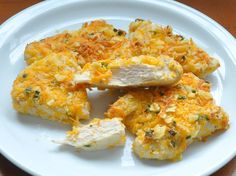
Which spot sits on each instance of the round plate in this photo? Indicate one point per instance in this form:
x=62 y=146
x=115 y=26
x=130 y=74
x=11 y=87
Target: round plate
x=26 y=141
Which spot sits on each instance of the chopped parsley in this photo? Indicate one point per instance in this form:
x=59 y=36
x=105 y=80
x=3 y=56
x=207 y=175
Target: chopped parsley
x=24 y=75
x=65 y=40
x=183 y=58
x=36 y=95
x=120 y=32
x=28 y=90
x=181 y=97
x=148 y=108
x=181 y=37
x=154 y=32
x=173 y=144
x=138 y=19
x=188 y=137
x=169 y=33
x=68 y=113
x=152 y=109
x=172 y=132
x=149 y=133
x=55 y=82
x=194 y=91
x=104 y=64
x=203 y=117
x=162 y=93
x=87 y=145
x=174 y=123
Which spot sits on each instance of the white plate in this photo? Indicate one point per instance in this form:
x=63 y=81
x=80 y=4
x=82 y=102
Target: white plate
x=26 y=140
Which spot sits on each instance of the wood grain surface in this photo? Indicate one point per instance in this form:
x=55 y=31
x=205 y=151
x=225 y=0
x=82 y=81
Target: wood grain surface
x=222 y=11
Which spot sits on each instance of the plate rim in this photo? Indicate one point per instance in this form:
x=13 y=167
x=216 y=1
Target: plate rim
x=39 y=6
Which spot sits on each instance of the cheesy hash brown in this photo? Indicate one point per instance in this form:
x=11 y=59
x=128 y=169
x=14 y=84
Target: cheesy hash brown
x=94 y=41
x=44 y=89
x=167 y=119
x=148 y=38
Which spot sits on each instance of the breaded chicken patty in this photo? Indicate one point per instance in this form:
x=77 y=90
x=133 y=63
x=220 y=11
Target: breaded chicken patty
x=94 y=41
x=167 y=119
x=148 y=38
x=45 y=89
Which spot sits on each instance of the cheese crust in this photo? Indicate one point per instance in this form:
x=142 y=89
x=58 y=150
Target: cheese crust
x=99 y=40
x=148 y=38
x=45 y=89
x=167 y=119
x=94 y=41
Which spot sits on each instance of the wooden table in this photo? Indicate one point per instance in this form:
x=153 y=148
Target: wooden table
x=221 y=11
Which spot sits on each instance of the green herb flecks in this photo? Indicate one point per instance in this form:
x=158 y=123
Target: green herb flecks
x=181 y=97
x=65 y=40
x=173 y=144
x=138 y=19
x=162 y=93
x=153 y=108
x=188 y=137
x=148 y=108
x=120 y=32
x=172 y=132
x=87 y=145
x=28 y=90
x=174 y=123
x=24 y=75
x=68 y=113
x=203 y=117
x=104 y=64
x=149 y=133
x=183 y=58
x=36 y=95
x=154 y=32
x=181 y=37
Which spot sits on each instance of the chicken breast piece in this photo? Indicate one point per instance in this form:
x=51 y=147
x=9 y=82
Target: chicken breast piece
x=45 y=89
x=149 y=38
x=167 y=119
x=133 y=72
x=97 y=135
x=97 y=40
